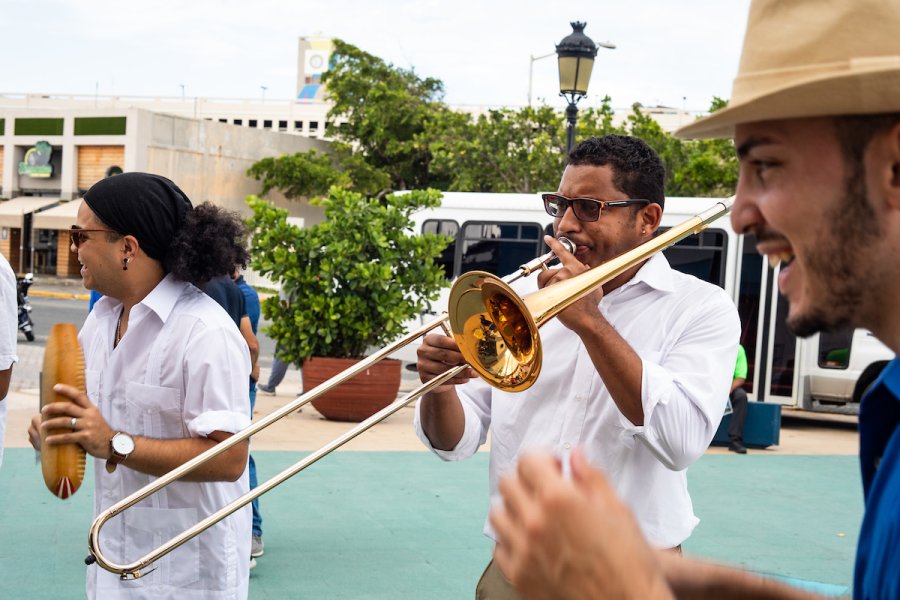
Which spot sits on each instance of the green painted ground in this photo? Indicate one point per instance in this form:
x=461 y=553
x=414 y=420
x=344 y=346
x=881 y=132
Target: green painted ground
x=397 y=525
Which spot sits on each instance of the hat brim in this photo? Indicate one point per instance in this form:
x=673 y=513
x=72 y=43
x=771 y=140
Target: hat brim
x=872 y=92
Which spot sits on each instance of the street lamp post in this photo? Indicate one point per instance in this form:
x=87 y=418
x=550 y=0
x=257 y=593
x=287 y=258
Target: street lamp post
x=576 y=53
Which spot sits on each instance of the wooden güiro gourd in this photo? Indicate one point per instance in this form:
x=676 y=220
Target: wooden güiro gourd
x=62 y=465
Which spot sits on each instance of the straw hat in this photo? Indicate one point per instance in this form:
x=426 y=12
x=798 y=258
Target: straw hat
x=809 y=58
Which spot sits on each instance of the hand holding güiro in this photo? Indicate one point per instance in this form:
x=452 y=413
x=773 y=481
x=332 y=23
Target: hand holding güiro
x=62 y=464
x=69 y=424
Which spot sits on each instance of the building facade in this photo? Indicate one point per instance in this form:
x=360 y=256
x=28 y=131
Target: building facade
x=49 y=158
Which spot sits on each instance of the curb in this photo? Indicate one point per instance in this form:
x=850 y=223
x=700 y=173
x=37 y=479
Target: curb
x=59 y=295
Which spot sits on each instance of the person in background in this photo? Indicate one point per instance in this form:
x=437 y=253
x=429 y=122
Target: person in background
x=257 y=548
x=279 y=368
x=9 y=336
x=276 y=375
x=225 y=291
x=738 y=399
x=815 y=117
x=93 y=300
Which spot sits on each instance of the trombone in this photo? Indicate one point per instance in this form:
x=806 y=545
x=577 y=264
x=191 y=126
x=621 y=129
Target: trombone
x=497 y=333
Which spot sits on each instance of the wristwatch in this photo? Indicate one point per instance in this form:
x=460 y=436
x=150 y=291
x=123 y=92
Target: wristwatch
x=120 y=446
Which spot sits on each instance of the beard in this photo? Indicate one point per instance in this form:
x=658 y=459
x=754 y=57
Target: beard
x=838 y=259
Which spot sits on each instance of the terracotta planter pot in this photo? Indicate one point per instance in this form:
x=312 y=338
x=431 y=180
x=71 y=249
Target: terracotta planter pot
x=358 y=398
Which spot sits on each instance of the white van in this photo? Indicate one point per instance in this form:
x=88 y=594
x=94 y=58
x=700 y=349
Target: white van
x=826 y=372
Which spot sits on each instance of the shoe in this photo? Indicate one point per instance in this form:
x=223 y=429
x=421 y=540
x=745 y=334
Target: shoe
x=261 y=387
x=257 y=548
x=252 y=563
x=736 y=446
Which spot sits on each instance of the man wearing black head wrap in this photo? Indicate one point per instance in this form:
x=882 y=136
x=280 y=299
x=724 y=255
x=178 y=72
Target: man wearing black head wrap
x=167 y=378
x=154 y=211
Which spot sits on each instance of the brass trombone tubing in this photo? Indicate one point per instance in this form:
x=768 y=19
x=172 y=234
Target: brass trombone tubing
x=556 y=298
x=134 y=569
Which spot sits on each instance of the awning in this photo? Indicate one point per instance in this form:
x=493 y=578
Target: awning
x=12 y=212
x=58 y=217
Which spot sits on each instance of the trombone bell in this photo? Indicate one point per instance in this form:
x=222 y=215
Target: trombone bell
x=495 y=331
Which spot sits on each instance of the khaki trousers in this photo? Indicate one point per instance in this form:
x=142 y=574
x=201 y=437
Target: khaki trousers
x=493 y=585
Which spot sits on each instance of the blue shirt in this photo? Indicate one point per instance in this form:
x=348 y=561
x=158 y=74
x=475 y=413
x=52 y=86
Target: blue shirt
x=877 y=571
x=251 y=299
x=251 y=303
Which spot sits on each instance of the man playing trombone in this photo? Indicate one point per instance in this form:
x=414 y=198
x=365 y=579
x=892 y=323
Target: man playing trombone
x=815 y=117
x=166 y=374
x=636 y=373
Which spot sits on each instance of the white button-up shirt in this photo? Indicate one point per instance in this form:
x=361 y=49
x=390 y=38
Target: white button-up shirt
x=180 y=371
x=9 y=331
x=686 y=332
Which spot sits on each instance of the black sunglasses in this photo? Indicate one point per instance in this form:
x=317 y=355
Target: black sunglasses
x=585 y=209
x=77 y=237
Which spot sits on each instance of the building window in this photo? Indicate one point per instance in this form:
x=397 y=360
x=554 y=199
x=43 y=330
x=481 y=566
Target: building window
x=238 y=121
x=251 y=123
x=223 y=120
x=298 y=125
x=267 y=124
x=38 y=126
x=313 y=125
x=282 y=125
x=100 y=125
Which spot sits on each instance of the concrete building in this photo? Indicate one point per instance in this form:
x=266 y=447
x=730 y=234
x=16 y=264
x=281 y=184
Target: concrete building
x=49 y=158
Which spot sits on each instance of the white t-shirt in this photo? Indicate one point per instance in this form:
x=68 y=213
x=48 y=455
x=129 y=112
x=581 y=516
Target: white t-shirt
x=9 y=331
x=686 y=332
x=181 y=370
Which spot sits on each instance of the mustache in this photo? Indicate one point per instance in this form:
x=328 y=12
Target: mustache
x=764 y=234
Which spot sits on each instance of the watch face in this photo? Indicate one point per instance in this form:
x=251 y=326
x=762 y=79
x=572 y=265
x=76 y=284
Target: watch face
x=123 y=443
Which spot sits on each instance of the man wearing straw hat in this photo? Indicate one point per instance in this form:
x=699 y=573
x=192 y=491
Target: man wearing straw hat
x=815 y=115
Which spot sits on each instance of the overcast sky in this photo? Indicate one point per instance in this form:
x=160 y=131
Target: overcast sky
x=669 y=53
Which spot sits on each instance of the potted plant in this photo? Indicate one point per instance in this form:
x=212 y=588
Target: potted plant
x=349 y=284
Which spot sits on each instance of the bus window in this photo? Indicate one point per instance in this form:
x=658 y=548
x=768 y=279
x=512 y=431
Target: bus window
x=498 y=248
x=701 y=255
x=784 y=349
x=834 y=349
x=444 y=227
x=748 y=303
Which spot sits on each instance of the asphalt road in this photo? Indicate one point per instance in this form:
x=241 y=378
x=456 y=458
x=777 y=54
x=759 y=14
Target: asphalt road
x=47 y=311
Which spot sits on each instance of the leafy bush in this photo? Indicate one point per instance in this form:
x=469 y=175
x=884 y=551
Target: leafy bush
x=351 y=282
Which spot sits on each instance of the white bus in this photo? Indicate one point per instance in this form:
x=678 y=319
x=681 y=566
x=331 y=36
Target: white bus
x=827 y=372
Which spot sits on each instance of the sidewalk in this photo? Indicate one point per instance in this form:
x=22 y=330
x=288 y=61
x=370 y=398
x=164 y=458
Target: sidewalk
x=58 y=287
x=383 y=518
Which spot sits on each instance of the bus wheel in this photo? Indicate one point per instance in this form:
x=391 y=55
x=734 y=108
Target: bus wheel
x=868 y=377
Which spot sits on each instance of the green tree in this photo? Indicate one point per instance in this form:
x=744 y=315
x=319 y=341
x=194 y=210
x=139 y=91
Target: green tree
x=711 y=166
x=504 y=150
x=384 y=113
x=512 y=150
x=350 y=282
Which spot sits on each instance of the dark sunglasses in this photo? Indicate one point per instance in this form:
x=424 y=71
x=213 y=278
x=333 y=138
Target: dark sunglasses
x=585 y=209
x=77 y=237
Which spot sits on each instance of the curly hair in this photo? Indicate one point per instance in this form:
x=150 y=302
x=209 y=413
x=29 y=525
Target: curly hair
x=211 y=242
x=637 y=169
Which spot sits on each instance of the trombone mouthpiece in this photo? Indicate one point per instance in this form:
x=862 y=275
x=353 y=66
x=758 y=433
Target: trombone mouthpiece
x=570 y=247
